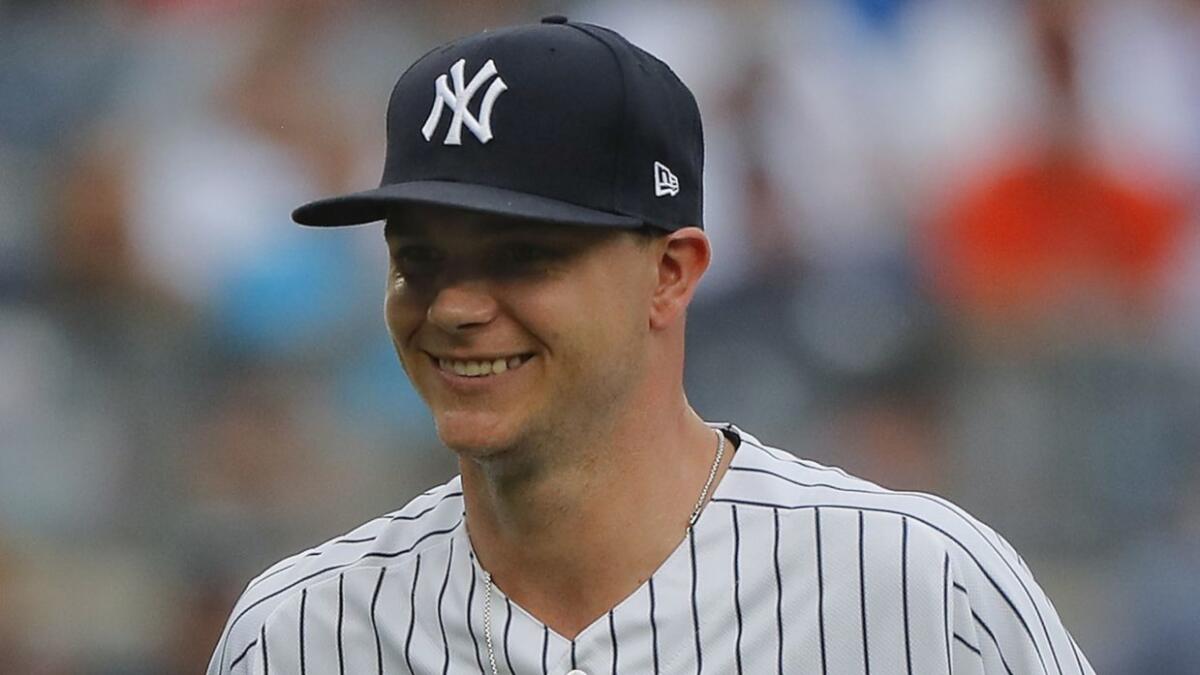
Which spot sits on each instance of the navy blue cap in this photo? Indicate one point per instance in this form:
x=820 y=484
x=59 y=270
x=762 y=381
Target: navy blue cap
x=555 y=121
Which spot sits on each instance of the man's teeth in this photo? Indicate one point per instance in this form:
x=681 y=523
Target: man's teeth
x=480 y=368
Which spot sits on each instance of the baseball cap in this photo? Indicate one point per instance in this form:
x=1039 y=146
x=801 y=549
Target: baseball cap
x=555 y=121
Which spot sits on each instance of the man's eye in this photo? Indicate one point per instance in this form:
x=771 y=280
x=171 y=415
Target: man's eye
x=519 y=259
x=526 y=253
x=417 y=260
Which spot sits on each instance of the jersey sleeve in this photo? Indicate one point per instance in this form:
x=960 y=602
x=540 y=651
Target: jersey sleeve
x=233 y=653
x=998 y=620
x=220 y=663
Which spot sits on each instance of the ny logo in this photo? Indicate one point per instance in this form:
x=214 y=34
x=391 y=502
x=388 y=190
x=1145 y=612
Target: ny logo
x=459 y=99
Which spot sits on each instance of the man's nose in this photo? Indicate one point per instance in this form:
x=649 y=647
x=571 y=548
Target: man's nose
x=462 y=305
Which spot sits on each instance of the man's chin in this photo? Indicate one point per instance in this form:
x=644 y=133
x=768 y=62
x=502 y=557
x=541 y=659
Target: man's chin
x=473 y=435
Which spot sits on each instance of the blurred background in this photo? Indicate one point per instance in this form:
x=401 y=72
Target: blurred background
x=957 y=250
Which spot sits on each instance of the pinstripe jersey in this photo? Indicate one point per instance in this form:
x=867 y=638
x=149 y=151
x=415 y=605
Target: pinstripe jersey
x=793 y=567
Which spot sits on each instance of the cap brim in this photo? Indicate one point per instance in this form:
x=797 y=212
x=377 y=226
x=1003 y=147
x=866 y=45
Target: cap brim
x=372 y=205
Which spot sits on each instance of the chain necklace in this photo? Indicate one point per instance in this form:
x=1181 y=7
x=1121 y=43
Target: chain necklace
x=487 y=576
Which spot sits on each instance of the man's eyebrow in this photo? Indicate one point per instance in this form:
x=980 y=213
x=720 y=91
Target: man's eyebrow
x=393 y=230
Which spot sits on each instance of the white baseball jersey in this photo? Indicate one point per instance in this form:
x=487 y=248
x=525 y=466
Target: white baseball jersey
x=793 y=567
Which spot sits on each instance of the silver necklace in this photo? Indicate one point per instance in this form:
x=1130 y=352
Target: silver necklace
x=712 y=475
x=487 y=576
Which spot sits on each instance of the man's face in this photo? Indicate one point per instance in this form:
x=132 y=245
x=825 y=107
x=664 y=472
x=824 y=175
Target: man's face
x=517 y=331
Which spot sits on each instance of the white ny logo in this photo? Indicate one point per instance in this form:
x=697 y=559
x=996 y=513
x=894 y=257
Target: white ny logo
x=458 y=100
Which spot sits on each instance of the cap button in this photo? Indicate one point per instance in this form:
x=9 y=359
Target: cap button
x=554 y=18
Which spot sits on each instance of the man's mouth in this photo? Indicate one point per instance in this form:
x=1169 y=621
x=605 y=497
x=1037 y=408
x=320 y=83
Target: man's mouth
x=482 y=367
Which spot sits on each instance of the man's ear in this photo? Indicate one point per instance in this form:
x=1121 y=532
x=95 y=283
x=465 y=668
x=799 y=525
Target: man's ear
x=682 y=258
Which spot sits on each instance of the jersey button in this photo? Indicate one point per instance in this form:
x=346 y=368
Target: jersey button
x=576 y=672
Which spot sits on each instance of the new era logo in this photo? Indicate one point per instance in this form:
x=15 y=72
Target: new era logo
x=459 y=98
x=665 y=182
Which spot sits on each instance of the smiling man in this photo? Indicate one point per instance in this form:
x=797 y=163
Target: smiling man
x=518 y=333
x=542 y=199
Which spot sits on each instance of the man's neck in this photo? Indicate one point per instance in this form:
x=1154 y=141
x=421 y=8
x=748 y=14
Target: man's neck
x=569 y=539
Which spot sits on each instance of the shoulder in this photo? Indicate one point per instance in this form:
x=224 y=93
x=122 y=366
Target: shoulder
x=942 y=556
x=762 y=477
x=391 y=540
x=927 y=533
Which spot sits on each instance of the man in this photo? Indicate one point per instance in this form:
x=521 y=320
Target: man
x=543 y=206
